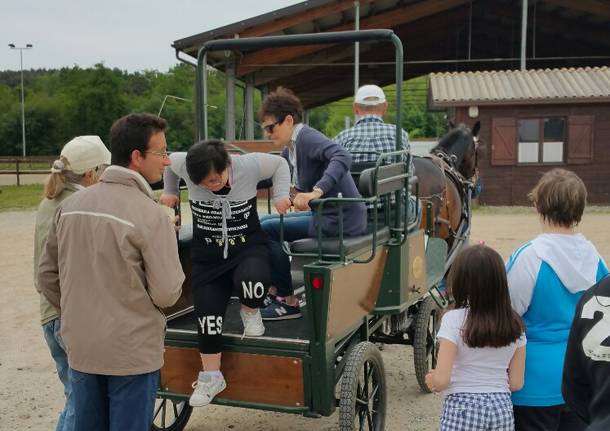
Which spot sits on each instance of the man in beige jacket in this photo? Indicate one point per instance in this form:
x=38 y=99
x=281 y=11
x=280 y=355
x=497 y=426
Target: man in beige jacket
x=110 y=262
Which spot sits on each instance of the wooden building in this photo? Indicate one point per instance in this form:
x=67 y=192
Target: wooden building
x=533 y=121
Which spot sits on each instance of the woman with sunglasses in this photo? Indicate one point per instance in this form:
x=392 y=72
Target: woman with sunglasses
x=319 y=168
x=229 y=249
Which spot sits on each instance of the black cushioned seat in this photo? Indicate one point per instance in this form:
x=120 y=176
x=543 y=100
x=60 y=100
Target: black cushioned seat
x=331 y=245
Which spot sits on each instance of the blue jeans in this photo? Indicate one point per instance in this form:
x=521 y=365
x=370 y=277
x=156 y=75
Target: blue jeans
x=296 y=226
x=113 y=403
x=58 y=352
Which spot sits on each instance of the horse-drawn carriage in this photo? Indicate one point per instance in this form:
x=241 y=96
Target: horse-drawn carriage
x=357 y=291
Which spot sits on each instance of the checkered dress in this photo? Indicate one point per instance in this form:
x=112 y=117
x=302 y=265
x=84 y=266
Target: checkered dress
x=473 y=411
x=370 y=135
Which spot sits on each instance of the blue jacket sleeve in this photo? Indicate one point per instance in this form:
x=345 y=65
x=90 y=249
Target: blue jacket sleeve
x=339 y=163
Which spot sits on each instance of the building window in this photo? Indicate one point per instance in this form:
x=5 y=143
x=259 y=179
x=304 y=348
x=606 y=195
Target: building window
x=541 y=140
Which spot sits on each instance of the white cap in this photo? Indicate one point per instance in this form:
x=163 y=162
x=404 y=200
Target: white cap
x=85 y=153
x=369 y=95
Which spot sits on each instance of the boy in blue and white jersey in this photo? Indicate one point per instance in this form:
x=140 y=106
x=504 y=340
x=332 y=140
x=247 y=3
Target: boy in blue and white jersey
x=547 y=277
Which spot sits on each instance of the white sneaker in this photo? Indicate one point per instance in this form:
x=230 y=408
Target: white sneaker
x=206 y=388
x=253 y=323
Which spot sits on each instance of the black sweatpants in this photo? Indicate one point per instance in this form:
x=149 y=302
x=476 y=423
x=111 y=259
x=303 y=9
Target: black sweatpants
x=250 y=278
x=552 y=418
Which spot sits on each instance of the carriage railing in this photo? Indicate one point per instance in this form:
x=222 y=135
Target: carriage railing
x=382 y=187
x=326 y=38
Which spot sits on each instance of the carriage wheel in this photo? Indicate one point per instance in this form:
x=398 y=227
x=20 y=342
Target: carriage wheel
x=425 y=346
x=171 y=415
x=363 y=399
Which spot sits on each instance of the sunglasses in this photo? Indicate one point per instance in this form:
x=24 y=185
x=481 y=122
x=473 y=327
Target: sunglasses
x=269 y=127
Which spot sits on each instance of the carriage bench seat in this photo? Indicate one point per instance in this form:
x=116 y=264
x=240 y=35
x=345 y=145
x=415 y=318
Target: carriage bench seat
x=352 y=244
x=371 y=182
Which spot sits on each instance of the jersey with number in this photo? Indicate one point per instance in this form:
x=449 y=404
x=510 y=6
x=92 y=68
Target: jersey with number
x=586 y=376
x=546 y=279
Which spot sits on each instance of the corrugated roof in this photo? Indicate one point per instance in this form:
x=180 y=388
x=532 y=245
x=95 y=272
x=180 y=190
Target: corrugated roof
x=581 y=85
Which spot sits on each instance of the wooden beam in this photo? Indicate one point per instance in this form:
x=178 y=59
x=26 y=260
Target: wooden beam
x=416 y=36
x=595 y=7
x=410 y=13
x=592 y=38
x=587 y=33
x=305 y=16
x=336 y=54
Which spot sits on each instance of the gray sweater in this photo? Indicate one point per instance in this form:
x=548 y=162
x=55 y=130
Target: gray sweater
x=215 y=212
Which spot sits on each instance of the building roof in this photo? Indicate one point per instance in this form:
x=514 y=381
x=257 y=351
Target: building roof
x=504 y=87
x=437 y=35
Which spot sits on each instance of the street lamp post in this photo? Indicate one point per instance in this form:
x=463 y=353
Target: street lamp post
x=170 y=97
x=21 y=48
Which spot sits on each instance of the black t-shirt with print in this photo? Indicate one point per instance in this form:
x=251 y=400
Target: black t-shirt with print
x=244 y=234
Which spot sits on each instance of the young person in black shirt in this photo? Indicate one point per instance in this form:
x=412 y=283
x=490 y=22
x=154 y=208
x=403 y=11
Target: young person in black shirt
x=586 y=372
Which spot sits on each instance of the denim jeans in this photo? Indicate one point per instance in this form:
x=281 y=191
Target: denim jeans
x=113 y=403
x=296 y=226
x=58 y=352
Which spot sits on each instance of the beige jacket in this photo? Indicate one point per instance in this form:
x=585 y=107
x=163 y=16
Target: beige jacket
x=114 y=254
x=44 y=218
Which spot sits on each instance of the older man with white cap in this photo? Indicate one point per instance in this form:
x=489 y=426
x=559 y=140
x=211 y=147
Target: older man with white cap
x=80 y=164
x=370 y=136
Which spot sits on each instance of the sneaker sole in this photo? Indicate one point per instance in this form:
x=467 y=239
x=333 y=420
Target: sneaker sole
x=224 y=386
x=287 y=317
x=254 y=335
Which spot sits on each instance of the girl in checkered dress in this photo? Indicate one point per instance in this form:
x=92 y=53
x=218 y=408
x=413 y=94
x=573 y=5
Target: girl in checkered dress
x=481 y=355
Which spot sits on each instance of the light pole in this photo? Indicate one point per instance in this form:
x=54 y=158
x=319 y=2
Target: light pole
x=170 y=97
x=21 y=48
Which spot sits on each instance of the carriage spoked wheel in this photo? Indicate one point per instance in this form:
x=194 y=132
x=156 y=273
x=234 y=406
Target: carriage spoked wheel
x=425 y=346
x=170 y=414
x=363 y=398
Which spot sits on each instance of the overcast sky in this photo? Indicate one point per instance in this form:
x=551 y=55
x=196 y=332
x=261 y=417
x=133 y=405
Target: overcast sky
x=128 y=34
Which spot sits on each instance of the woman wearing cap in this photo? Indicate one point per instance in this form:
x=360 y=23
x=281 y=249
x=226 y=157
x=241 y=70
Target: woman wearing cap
x=80 y=164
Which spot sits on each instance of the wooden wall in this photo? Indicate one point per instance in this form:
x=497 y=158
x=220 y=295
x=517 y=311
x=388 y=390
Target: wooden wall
x=507 y=183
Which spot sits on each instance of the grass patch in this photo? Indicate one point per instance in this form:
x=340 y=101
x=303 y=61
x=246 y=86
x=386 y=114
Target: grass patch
x=20 y=197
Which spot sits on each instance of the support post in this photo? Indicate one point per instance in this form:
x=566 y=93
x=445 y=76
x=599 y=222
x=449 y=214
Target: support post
x=523 y=32
x=356 y=47
x=230 y=100
x=249 y=106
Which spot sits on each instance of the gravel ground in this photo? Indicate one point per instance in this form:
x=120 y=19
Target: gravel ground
x=31 y=396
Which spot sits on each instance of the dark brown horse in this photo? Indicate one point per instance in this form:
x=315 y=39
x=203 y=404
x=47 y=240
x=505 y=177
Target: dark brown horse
x=444 y=177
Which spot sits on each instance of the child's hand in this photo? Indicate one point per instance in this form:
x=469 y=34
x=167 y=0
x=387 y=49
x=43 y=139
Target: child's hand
x=430 y=381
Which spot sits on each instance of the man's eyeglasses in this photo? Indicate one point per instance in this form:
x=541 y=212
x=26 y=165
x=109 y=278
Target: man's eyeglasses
x=269 y=127
x=164 y=154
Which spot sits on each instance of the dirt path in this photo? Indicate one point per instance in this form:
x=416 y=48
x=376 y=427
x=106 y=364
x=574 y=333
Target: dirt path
x=31 y=395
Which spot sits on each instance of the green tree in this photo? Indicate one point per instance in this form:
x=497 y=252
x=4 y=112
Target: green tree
x=99 y=102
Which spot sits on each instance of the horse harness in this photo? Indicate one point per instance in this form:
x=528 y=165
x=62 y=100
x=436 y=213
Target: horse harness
x=446 y=165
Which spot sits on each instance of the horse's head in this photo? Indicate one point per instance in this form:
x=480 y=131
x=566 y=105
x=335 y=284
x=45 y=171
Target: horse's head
x=460 y=145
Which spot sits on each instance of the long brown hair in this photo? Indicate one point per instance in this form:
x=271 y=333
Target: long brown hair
x=477 y=281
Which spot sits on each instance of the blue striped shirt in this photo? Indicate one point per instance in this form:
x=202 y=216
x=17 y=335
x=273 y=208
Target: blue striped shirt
x=370 y=137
